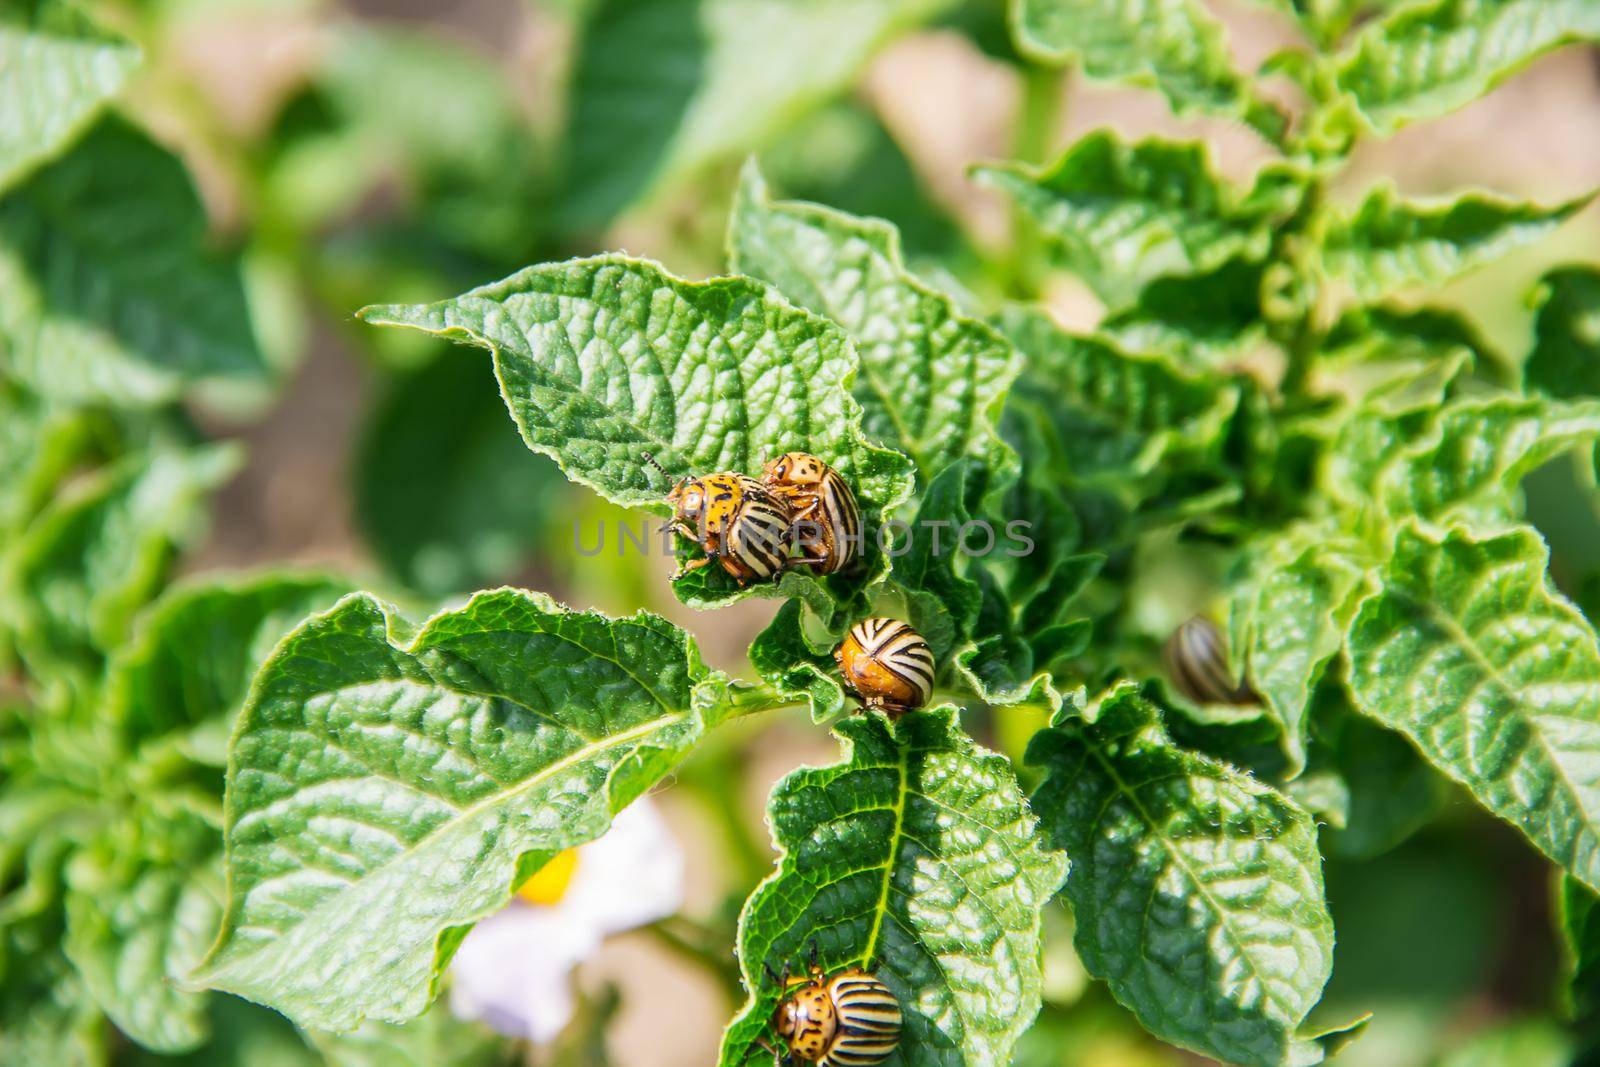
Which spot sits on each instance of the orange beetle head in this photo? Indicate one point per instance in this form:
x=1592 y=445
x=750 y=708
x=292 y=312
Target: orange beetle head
x=795 y=468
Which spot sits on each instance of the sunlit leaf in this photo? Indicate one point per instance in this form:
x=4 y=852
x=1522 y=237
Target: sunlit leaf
x=1494 y=677
x=915 y=856
x=601 y=360
x=1290 y=607
x=389 y=786
x=1196 y=890
x=1175 y=46
x=932 y=380
x=1429 y=58
x=1389 y=243
x=1121 y=214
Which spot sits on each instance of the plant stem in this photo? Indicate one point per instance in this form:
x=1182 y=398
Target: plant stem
x=1038 y=119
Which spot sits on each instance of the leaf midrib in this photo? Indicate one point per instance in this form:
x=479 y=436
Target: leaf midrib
x=1225 y=915
x=1467 y=644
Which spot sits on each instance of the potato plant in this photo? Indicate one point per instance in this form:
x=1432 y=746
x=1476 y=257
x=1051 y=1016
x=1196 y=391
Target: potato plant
x=248 y=816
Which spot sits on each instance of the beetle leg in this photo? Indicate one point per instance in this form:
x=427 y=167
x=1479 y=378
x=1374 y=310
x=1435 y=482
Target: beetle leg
x=692 y=565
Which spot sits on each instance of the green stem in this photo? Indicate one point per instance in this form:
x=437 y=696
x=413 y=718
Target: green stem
x=752 y=698
x=1038 y=120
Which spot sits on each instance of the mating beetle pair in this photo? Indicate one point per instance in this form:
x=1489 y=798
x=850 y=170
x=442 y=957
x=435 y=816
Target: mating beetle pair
x=749 y=526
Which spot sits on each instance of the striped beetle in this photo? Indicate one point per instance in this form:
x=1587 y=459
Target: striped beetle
x=1196 y=659
x=827 y=522
x=887 y=664
x=734 y=519
x=848 y=1019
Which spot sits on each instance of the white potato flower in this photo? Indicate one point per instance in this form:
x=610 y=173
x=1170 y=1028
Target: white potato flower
x=514 y=970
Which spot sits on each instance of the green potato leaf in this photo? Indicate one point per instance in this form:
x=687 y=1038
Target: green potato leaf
x=1175 y=46
x=390 y=786
x=1462 y=459
x=1565 y=361
x=663 y=88
x=1467 y=650
x=601 y=360
x=51 y=88
x=143 y=905
x=1427 y=59
x=1121 y=215
x=1116 y=418
x=1288 y=612
x=932 y=380
x=1196 y=889
x=1389 y=243
x=1204 y=322
x=916 y=856
x=188 y=664
x=785 y=656
x=100 y=303
x=91 y=559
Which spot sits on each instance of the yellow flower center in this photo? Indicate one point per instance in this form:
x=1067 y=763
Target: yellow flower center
x=549 y=885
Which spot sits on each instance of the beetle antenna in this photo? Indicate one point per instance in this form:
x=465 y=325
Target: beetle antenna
x=772 y=975
x=651 y=459
x=813 y=956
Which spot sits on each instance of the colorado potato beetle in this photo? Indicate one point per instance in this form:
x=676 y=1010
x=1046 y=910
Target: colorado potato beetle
x=1196 y=659
x=848 y=1019
x=827 y=523
x=735 y=520
x=887 y=664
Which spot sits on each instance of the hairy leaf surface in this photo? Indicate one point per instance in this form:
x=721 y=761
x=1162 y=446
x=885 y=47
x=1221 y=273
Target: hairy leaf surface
x=603 y=359
x=1462 y=459
x=1389 y=243
x=932 y=380
x=1197 y=890
x=388 y=788
x=1428 y=59
x=1287 y=620
x=1175 y=46
x=1121 y=214
x=1469 y=652
x=917 y=857
x=102 y=303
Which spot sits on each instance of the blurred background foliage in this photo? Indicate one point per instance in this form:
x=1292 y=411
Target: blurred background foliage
x=324 y=156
